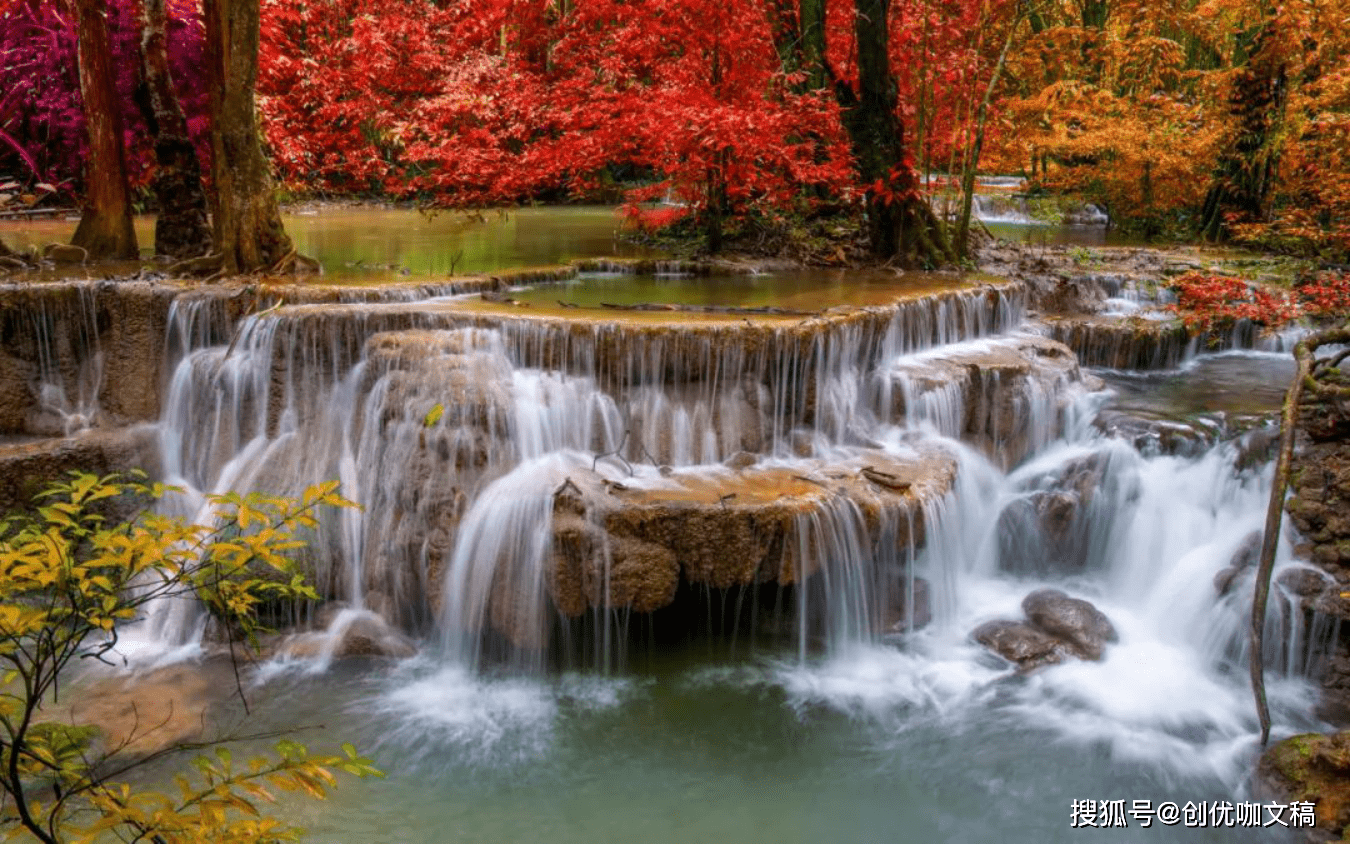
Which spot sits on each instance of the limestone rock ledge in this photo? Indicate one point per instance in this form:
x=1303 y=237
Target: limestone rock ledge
x=628 y=545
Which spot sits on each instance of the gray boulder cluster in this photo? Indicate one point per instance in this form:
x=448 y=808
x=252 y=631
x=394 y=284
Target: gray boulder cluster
x=1056 y=627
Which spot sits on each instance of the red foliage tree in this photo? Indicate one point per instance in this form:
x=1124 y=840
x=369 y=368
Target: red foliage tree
x=43 y=136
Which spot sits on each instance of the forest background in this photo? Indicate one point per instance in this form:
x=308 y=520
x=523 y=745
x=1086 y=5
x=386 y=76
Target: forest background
x=1226 y=119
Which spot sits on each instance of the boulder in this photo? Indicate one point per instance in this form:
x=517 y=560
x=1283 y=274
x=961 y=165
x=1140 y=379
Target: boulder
x=1073 y=621
x=1243 y=559
x=352 y=632
x=1302 y=581
x=1020 y=643
x=1311 y=768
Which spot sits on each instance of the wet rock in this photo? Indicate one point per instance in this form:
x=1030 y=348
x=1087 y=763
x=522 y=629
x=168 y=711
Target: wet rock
x=632 y=545
x=898 y=617
x=146 y=712
x=1312 y=768
x=26 y=468
x=1248 y=553
x=741 y=460
x=1005 y=396
x=1257 y=447
x=1020 y=643
x=1226 y=578
x=1244 y=559
x=1077 y=623
x=1302 y=582
x=1152 y=433
x=1046 y=530
x=352 y=633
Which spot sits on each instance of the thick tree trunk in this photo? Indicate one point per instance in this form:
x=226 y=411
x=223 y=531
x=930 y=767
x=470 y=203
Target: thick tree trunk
x=182 y=229
x=247 y=222
x=900 y=222
x=105 y=229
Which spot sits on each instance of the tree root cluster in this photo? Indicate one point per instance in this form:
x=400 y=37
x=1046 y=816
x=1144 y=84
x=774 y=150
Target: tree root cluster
x=212 y=266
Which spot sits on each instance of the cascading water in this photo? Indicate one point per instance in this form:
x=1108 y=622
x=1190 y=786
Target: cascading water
x=461 y=433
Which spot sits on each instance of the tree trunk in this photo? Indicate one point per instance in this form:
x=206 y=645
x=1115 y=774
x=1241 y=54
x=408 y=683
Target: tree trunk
x=182 y=229
x=105 y=229
x=900 y=222
x=972 y=163
x=1246 y=167
x=812 y=14
x=247 y=226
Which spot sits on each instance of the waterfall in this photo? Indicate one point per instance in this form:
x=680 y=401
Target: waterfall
x=533 y=486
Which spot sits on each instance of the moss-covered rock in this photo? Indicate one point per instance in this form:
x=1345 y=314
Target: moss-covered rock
x=1313 y=768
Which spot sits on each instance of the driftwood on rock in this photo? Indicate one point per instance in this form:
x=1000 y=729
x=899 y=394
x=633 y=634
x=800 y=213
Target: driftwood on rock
x=760 y=310
x=1313 y=376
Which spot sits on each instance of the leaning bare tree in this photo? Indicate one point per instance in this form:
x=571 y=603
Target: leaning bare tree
x=1321 y=380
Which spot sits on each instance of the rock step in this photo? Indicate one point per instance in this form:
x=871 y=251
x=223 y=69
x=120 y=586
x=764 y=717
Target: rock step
x=629 y=545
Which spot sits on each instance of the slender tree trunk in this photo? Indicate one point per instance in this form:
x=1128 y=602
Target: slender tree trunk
x=182 y=229
x=972 y=162
x=247 y=228
x=105 y=229
x=901 y=224
x=813 y=42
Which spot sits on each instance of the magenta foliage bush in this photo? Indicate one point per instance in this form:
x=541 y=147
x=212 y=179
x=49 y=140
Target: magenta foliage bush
x=42 y=128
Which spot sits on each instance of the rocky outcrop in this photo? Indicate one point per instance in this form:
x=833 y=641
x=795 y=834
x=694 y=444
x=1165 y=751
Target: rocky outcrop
x=1057 y=627
x=1319 y=507
x=1005 y=396
x=1157 y=433
x=27 y=468
x=1122 y=344
x=632 y=545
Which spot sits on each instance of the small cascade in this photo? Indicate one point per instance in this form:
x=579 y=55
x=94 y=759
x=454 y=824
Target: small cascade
x=65 y=361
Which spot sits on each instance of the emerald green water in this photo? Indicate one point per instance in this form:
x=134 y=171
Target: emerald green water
x=803 y=290
x=755 y=751
x=362 y=244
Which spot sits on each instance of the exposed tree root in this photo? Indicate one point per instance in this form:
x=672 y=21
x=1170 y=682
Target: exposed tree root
x=201 y=266
x=293 y=263
x=63 y=253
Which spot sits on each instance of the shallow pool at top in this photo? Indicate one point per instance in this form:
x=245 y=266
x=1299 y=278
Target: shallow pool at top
x=798 y=290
